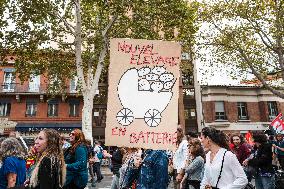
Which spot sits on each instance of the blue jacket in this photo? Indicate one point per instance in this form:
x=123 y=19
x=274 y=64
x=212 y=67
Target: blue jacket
x=153 y=172
x=76 y=165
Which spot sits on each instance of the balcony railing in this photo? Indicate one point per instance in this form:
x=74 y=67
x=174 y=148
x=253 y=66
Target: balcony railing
x=18 y=88
x=33 y=88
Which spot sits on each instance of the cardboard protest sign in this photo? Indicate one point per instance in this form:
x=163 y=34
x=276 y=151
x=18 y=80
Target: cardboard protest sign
x=143 y=91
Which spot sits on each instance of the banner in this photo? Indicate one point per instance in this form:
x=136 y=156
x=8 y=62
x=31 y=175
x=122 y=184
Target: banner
x=277 y=124
x=142 y=108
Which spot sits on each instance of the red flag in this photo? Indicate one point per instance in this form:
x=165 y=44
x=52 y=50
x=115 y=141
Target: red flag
x=248 y=136
x=277 y=124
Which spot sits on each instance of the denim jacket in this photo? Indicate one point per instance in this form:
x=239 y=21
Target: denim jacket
x=153 y=172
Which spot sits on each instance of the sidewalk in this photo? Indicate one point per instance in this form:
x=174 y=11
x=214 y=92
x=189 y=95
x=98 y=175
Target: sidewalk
x=106 y=171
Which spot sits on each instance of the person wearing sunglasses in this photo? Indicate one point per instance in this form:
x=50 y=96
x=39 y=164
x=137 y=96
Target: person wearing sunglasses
x=76 y=159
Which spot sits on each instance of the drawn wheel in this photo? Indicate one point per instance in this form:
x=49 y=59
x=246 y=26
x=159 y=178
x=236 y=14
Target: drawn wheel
x=152 y=118
x=125 y=117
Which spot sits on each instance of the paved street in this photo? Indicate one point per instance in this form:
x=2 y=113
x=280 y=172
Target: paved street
x=106 y=182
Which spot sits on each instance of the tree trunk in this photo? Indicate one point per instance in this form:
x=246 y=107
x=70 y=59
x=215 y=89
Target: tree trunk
x=87 y=116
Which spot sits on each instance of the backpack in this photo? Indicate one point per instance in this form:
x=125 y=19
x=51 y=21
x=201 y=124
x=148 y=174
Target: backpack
x=100 y=154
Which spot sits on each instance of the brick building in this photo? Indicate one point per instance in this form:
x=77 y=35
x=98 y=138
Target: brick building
x=239 y=108
x=29 y=106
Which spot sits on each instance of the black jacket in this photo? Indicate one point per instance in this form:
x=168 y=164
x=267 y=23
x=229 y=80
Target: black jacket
x=48 y=174
x=116 y=161
x=263 y=159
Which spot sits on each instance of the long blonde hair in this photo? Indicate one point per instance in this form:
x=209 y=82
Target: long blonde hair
x=55 y=153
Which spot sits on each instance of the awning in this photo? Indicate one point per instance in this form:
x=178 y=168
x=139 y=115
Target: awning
x=30 y=127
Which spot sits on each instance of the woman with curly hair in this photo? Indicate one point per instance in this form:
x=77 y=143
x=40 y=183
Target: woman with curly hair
x=76 y=159
x=239 y=148
x=50 y=169
x=13 y=170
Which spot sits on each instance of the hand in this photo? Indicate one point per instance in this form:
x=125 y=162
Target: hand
x=106 y=154
x=273 y=145
x=245 y=163
x=26 y=183
x=179 y=177
x=137 y=161
x=208 y=187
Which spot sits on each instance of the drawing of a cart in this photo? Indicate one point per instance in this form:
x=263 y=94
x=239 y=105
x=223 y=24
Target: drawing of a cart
x=144 y=94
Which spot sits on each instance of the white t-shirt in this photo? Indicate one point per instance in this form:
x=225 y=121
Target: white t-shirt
x=180 y=156
x=233 y=175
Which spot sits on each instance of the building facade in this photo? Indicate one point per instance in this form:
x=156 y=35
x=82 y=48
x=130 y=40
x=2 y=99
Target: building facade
x=27 y=107
x=239 y=108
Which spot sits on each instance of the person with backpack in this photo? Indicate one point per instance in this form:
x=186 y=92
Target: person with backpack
x=98 y=156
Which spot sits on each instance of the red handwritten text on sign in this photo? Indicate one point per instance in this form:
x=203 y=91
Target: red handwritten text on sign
x=146 y=137
x=145 y=54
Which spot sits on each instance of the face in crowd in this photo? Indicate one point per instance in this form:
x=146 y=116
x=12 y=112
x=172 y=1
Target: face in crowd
x=72 y=137
x=236 y=140
x=279 y=137
x=205 y=141
x=41 y=142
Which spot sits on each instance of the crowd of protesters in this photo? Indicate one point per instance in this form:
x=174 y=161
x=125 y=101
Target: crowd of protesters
x=207 y=160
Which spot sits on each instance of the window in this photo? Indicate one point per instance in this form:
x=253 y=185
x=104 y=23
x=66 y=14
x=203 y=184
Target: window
x=186 y=114
x=9 y=81
x=272 y=110
x=220 y=111
x=189 y=113
x=73 y=85
x=242 y=111
x=74 y=108
x=5 y=108
x=31 y=109
x=34 y=83
x=52 y=108
x=100 y=116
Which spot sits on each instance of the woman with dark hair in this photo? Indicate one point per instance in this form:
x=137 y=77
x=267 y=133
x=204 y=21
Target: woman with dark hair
x=262 y=161
x=239 y=148
x=222 y=168
x=50 y=170
x=76 y=159
x=193 y=172
x=13 y=170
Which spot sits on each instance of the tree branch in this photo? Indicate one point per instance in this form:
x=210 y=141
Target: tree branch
x=103 y=52
x=105 y=31
x=259 y=31
x=259 y=77
x=57 y=15
x=78 y=45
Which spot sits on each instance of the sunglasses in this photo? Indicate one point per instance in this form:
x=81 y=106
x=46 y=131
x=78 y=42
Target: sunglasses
x=72 y=134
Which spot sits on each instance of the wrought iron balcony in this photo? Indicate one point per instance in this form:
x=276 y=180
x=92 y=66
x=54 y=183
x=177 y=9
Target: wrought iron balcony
x=18 y=88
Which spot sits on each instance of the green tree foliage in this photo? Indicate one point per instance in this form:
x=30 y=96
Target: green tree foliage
x=44 y=31
x=248 y=34
x=63 y=38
